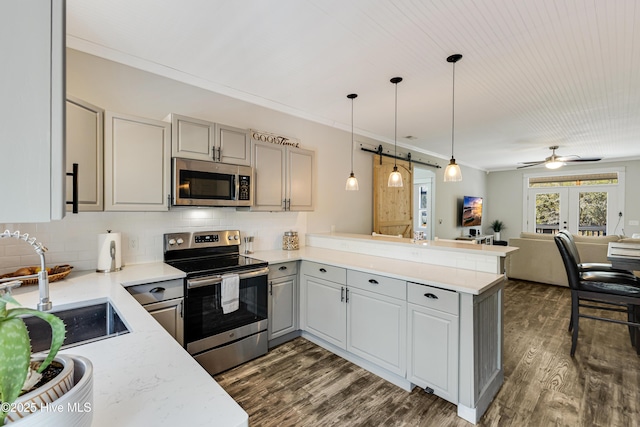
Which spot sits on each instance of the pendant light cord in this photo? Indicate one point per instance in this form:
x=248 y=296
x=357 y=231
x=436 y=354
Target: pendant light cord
x=352 y=135
x=395 y=132
x=453 y=106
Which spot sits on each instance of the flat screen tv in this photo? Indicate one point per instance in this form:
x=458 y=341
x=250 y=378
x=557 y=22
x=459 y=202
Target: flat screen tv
x=471 y=211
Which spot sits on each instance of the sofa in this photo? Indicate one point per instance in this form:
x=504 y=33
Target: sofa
x=538 y=259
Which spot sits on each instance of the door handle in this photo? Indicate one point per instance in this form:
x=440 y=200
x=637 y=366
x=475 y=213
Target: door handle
x=341 y=294
x=270 y=288
x=347 y=299
x=74 y=196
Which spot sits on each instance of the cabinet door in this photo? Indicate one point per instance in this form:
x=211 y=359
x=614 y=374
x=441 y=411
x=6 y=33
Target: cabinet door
x=85 y=147
x=192 y=138
x=137 y=163
x=169 y=315
x=282 y=306
x=376 y=329
x=234 y=145
x=32 y=76
x=300 y=179
x=325 y=314
x=269 y=176
x=433 y=351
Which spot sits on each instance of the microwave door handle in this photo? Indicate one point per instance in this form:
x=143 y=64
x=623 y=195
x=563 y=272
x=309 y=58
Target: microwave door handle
x=237 y=193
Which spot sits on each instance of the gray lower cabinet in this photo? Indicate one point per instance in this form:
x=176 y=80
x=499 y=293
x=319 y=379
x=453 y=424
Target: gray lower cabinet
x=169 y=315
x=432 y=324
x=164 y=300
x=364 y=314
x=376 y=320
x=322 y=296
x=283 y=299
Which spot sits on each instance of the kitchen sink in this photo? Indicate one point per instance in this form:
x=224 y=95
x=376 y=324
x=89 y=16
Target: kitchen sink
x=88 y=323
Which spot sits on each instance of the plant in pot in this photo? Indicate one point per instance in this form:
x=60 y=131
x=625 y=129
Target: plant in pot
x=18 y=372
x=497 y=226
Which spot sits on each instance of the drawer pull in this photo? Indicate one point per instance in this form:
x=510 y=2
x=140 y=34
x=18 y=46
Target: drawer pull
x=322 y=270
x=282 y=268
x=373 y=281
x=431 y=296
x=157 y=289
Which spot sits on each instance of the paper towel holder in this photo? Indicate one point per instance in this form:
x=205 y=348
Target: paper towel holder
x=109 y=261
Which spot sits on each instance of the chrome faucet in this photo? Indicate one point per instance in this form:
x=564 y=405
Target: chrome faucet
x=43 y=277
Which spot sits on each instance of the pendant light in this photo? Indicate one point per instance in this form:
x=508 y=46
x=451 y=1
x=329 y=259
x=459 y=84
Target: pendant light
x=352 y=182
x=395 y=178
x=452 y=172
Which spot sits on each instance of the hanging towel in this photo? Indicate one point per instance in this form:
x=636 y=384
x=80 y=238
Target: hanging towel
x=230 y=293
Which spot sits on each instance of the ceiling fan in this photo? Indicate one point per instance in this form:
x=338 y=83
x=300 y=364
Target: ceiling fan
x=554 y=161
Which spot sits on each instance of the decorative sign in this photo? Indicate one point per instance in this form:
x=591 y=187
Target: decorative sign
x=274 y=139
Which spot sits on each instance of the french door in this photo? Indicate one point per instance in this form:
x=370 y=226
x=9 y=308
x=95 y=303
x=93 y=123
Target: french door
x=585 y=210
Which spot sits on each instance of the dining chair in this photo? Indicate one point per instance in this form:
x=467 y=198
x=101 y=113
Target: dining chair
x=612 y=291
x=590 y=266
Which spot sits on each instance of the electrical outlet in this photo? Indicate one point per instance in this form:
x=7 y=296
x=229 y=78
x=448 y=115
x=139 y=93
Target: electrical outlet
x=634 y=222
x=133 y=243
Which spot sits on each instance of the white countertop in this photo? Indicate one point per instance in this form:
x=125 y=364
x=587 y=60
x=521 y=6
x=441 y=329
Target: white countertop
x=144 y=377
x=440 y=244
x=456 y=279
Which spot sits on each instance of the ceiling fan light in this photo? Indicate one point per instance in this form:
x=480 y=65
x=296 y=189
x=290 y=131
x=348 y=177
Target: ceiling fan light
x=452 y=172
x=554 y=164
x=395 y=178
x=352 y=183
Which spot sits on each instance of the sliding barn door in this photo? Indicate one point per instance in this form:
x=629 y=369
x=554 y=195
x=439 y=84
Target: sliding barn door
x=392 y=213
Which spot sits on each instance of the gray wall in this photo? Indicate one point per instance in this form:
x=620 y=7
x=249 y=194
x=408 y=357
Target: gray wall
x=505 y=194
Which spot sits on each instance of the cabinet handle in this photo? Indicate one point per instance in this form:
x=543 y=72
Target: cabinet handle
x=181 y=307
x=341 y=294
x=373 y=281
x=157 y=290
x=431 y=296
x=282 y=268
x=284 y=204
x=74 y=195
x=219 y=149
x=322 y=270
x=270 y=288
x=347 y=299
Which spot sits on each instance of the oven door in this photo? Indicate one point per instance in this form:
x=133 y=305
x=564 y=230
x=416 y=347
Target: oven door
x=206 y=326
x=200 y=183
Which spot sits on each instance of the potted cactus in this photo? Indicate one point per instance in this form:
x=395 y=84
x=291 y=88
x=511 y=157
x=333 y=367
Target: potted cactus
x=15 y=352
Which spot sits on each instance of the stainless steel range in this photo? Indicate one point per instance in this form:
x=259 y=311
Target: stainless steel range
x=220 y=336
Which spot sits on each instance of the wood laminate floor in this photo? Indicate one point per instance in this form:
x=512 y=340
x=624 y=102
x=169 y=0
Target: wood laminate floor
x=301 y=384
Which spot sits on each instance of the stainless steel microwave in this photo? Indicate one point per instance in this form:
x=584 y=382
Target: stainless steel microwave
x=202 y=183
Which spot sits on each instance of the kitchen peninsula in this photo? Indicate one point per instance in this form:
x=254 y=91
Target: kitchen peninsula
x=443 y=323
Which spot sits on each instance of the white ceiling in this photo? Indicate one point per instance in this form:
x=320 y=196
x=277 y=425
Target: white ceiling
x=535 y=73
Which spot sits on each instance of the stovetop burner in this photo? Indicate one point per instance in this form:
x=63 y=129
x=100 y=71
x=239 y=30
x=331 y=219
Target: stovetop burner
x=208 y=253
x=217 y=265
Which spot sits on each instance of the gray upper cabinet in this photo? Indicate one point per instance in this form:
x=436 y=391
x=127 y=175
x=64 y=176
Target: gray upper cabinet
x=137 y=159
x=203 y=140
x=191 y=138
x=85 y=147
x=233 y=145
x=284 y=177
x=32 y=107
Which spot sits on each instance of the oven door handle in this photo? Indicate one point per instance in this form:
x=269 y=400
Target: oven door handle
x=214 y=280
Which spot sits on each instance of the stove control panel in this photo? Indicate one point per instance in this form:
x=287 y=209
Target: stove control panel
x=201 y=239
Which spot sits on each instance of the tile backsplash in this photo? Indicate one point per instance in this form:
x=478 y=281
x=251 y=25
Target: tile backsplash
x=74 y=240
